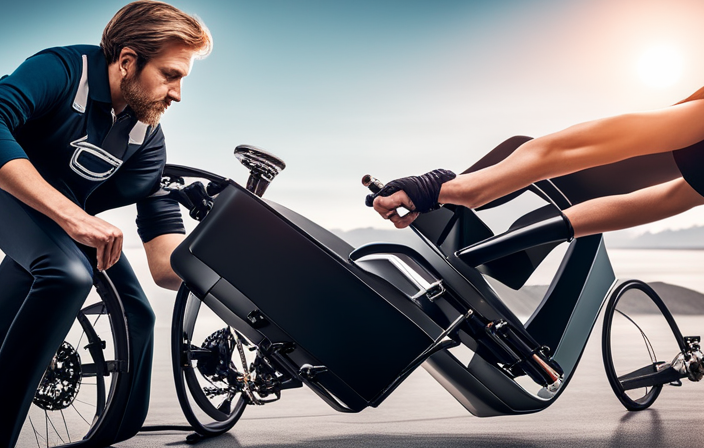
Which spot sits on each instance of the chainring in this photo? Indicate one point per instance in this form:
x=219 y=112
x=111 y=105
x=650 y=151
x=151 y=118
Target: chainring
x=217 y=364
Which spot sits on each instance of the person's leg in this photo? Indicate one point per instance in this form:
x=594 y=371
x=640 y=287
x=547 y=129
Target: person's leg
x=62 y=280
x=140 y=322
x=15 y=284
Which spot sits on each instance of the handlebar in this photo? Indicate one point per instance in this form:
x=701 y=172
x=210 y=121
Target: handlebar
x=180 y=171
x=555 y=229
x=375 y=186
x=198 y=198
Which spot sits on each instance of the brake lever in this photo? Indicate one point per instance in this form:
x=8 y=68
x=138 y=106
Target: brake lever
x=200 y=200
x=195 y=197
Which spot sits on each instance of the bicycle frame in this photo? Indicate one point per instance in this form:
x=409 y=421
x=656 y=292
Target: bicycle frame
x=563 y=321
x=328 y=315
x=353 y=324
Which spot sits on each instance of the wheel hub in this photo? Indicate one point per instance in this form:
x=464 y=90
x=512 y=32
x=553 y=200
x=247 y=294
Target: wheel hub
x=61 y=381
x=219 y=347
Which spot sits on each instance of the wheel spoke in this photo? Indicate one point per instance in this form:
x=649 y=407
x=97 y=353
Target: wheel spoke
x=68 y=434
x=56 y=431
x=86 y=403
x=34 y=430
x=79 y=414
x=648 y=345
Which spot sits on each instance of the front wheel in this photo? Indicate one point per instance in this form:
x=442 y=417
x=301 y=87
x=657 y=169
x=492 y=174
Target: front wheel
x=637 y=328
x=83 y=384
x=209 y=367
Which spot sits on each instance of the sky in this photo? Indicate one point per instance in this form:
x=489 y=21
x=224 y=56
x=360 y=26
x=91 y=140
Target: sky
x=392 y=88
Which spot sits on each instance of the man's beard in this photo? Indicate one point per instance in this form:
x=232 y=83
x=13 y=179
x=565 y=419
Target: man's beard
x=146 y=110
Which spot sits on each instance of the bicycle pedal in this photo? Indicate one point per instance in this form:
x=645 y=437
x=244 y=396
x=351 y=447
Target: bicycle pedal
x=677 y=383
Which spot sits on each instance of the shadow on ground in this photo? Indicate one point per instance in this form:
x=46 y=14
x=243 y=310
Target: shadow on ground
x=652 y=434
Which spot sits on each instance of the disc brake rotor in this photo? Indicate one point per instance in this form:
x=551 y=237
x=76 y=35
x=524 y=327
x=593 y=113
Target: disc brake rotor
x=215 y=363
x=61 y=381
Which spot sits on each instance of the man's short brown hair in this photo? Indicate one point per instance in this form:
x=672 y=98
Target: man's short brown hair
x=146 y=26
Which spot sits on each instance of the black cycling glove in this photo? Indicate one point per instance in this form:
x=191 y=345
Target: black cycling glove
x=422 y=190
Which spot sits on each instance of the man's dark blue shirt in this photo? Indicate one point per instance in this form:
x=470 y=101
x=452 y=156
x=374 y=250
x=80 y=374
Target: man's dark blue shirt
x=55 y=110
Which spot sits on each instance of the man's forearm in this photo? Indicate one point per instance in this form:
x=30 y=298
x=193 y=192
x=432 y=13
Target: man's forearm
x=19 y=178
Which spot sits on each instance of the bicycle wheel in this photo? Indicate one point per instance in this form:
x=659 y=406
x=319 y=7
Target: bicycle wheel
x=637 y=329
x=207 y=366
x=81 y=385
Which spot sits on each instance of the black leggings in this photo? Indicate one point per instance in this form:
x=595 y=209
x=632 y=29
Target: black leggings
x=44 y=280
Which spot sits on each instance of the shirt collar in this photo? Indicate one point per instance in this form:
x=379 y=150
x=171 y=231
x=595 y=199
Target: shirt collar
x=98 y=81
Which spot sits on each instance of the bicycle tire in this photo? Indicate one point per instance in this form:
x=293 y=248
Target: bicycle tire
x=98 y=342
x=636 y=312
x=209 y=416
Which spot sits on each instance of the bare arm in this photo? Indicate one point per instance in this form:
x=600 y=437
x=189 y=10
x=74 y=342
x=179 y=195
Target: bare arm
x=19 y=178
x=579 y=147
x=640 y=207
x=576 y=148
x=159 y=252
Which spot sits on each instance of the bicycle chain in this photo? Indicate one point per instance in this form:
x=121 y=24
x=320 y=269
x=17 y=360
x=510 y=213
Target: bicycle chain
x=245 y=375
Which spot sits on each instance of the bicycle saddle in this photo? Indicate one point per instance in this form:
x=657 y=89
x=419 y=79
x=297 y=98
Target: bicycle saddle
x=263 y=167
x=260 y=161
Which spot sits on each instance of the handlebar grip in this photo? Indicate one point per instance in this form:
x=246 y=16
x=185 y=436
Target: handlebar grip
x=374 y=184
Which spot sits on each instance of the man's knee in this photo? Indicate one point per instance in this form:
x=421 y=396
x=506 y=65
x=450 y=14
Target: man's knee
x=69 y=276
x=139 y=312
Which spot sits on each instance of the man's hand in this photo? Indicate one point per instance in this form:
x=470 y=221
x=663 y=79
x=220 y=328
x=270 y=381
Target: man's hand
x=95 y=232
x=386 y=206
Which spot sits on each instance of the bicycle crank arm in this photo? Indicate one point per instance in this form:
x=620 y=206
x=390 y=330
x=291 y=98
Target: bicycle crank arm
x=648 y=377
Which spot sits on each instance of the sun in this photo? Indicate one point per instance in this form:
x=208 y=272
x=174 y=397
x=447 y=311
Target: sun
x=660 y=66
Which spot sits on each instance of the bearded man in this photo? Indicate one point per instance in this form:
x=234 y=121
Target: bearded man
x=80 y=134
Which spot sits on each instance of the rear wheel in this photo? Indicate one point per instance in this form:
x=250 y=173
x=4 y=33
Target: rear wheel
x=81 y=385
x=208 y=366
x=637 y=329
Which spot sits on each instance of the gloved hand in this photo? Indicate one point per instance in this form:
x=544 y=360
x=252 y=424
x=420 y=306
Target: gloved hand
x=423 y=190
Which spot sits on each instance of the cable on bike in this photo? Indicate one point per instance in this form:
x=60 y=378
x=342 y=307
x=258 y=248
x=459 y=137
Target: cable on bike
x=648 y=345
